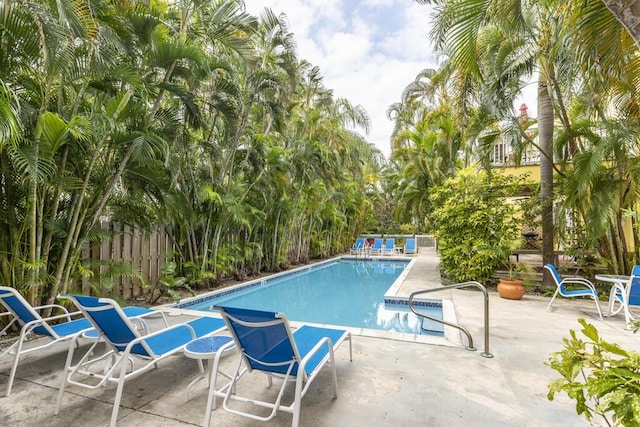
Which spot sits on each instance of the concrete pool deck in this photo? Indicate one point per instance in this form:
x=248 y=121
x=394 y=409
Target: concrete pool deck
x=389 y=382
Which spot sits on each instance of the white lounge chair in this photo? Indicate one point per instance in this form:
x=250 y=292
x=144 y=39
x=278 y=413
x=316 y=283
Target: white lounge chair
x=377 y=246
x=268 y=345
x=59 y=327
x=359 y=246
x=126 y=345
x=389 y=246
x=410 y=246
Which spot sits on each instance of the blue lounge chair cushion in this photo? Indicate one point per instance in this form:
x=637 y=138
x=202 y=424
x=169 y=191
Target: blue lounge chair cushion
x=377 y=245
x=579 y=293
x=69 y=328
x=307 y=337
x=410 y=246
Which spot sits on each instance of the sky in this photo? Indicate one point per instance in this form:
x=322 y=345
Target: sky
x=368 y=51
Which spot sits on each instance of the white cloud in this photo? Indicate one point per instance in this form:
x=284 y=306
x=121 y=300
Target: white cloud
x=367 y=51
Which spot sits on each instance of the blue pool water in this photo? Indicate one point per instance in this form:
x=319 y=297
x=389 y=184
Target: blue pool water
x=344 y=292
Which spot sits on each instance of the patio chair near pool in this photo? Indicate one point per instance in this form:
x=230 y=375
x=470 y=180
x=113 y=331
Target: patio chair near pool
x=587 y=288
x=410 y=246
x=268 y=345
x=130 y=353
x=59 y=327
x=389 y=246
x=626 y=295
x=358 y=246
x=377 y=246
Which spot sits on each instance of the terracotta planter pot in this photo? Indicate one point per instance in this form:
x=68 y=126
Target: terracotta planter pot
x=510 y=289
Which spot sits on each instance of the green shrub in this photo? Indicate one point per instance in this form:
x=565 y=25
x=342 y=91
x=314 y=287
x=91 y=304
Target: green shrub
x=476 y=223
x=601 y=377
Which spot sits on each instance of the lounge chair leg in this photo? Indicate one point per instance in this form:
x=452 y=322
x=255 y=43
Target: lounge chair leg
x=335 y=372
x=14 y=367
x=116 y=402
x=552 y=299
x=297 y=402
x=598 y=307
x=68 y=370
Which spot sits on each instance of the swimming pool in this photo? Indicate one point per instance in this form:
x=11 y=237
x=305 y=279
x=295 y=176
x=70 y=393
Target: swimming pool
x=341 y=292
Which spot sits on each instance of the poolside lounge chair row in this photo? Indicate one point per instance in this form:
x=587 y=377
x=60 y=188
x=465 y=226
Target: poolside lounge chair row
x=264 y=340
x=382 y=246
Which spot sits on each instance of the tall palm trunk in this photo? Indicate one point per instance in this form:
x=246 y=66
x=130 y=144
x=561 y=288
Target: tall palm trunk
x=545 y=136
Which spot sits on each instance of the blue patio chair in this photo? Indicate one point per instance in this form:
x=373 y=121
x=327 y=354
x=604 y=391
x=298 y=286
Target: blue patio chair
x=587 y=290
x=126 y=346
x=267 y=344
x=389 y=246
x=57 y=327
x=358 y=246
x=377 y=246
x=410 y=246
x=626 y=295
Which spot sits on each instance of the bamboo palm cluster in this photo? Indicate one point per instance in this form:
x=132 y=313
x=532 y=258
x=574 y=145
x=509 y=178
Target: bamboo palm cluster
x=585 y=66
x=188 y=113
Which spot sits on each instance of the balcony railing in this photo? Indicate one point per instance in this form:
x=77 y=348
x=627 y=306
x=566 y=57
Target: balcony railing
x=502 y=155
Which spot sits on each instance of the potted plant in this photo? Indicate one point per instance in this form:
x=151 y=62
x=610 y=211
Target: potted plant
x=520 y=274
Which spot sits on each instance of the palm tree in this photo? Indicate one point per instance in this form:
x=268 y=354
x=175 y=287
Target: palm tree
x=191 y=113
x=564 y=46
x=459 y=31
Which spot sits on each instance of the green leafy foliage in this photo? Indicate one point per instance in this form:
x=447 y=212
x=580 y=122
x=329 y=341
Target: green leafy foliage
x=195 y=118
x=168 y=285
x=602 y=377
x=475 y=223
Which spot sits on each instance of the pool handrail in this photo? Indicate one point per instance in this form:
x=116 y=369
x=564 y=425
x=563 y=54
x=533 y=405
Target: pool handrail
x=470 y=346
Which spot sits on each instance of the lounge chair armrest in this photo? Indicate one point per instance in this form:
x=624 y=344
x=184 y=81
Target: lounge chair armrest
x=60 y=316
x=315 y=349
x=45 y=320
x=59 y=307
x=160 y=332
x=579 y=281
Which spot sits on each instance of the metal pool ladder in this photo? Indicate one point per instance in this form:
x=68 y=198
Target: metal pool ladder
x=469 y=347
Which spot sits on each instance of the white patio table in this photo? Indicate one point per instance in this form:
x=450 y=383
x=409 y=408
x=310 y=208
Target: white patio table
x=617 y=280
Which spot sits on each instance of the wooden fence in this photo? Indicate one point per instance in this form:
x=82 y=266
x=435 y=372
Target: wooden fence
x=146 y=251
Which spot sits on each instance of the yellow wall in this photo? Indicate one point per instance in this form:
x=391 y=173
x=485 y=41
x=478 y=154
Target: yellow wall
x=532 y=170
x=534 y=175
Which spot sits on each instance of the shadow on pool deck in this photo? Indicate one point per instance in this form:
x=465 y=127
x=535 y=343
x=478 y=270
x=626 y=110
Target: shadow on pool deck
x=389 y=382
